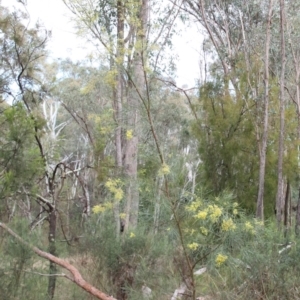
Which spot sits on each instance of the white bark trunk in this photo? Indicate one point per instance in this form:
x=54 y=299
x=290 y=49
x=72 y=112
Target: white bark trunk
x=263 y=153
x=280 y=196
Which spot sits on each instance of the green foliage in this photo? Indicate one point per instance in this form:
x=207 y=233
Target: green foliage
x=136 y=258
x=103 y=129
x=263 y=267
x=212 y=226
x=18 y=149
x=244 y=259
x=228 y=145
x=17 y=262
x=22 y=50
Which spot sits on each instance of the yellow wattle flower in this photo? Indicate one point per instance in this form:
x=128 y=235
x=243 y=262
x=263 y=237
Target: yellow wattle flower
x=202 y=214
x=129 y=134
x=193 y=246
x=220 y=259
x=98 y=209
x=164 y=170
x=228 y=225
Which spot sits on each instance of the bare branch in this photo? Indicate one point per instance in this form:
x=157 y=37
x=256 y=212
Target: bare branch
x=45 y=201
x=48 y=275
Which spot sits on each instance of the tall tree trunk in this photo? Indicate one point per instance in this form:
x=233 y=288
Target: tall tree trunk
x=280 y=196
x=296 y=60
x=118 y=99
x=137 y=87
x=297 y=225
x=263 y=152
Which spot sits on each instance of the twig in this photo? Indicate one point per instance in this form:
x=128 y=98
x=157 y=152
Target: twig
x=49 y=275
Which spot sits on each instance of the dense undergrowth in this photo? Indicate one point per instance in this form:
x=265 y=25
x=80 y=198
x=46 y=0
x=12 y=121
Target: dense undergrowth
x=240 y=257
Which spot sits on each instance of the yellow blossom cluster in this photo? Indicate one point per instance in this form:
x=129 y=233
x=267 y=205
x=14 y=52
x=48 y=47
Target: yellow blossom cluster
x=210 y=213
x=132 y=235
x=193 y=246
x=228 y=225
x=203 y=230
x=98 y=209
x=122 y=216
x=114 y=186
x=192 y=231
x=194 y=205
x=215 y=212
x=129 y=134
x=202 y=214
x=220 y=259
x=94 y=117
x=110 y=77
x=164 y=170
x=101 y=207
x=99 y=121
x=104 y=130
x=259 y=223
x=249 y=227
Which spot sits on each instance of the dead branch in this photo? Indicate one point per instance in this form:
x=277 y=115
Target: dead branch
x=48 y=275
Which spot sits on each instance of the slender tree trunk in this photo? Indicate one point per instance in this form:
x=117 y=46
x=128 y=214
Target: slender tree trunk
x=280 y=196
x=157 y=205
x=118 y=143
x=52 y=251
x=297 y=226
x=132 y=196
x=296 y=60
x=263 y=153
x=119 y=85
x=287 y=209
x=118 y=96
x=137 y=88
x=118 y=103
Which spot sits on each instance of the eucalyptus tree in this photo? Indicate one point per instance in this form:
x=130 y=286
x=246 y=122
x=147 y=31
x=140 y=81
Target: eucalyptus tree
x=129 y=31
x=236 y=30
